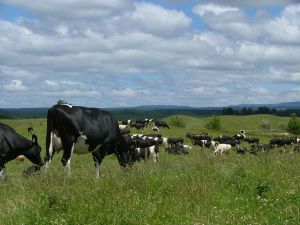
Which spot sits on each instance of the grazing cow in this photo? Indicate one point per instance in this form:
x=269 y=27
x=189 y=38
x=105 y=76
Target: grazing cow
x=154 y=135
x=177 y=150
x=241 y=150
x=205 y=143
x=81 y=130
x=267 y=147
x=155 y=128
x=174 y=141
x=138 y=126
x=30 y=130
x=275 y=141
x=145 y=143
x=286 y=141
x=239 y=136
x=13 y=144
x=252 y=140
x=223 y=148
x=152 y=152
x=126 y=122
x=232 y=142
x=222 y=138
x=20 y=159
x=161 y=124
x=125 y=131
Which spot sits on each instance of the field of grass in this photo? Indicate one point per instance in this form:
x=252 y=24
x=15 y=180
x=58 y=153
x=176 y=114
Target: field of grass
x=192 y=189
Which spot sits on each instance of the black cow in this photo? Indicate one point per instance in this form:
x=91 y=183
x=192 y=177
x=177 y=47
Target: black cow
x=161 y=124
x=232 y=142
x=13 y=144
x=241 y=150
x=138 y=126
x=252 y=140
x=223 y=138
x=174 y=141
x=81 y=130
x=239 y=136
x=126 y=122
x=30 y=130
x=207 y=144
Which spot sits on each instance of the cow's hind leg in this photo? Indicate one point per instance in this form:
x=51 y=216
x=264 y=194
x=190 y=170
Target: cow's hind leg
x=66 y=160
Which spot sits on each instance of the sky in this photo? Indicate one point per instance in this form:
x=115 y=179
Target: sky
x=125 y=53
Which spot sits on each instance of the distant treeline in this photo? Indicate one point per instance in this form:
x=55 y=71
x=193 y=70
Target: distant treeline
x=260 y=110
x=120 y=114
x=156 y=114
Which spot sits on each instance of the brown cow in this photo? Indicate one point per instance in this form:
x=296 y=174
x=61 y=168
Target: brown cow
x=20 y=158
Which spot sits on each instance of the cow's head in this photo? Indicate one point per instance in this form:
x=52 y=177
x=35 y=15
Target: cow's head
x=34 y=152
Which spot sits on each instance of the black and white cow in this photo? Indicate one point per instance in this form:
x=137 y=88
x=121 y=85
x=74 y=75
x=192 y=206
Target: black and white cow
x=161 y=124
x=81 y=130
x=152 y=152
x=126 y=122
x=13 y=144
x=30 y=130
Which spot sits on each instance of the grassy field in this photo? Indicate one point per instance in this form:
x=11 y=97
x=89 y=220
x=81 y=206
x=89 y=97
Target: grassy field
x=192 y=189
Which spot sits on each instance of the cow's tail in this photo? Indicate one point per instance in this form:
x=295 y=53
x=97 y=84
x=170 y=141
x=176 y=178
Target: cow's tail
x=49 y=144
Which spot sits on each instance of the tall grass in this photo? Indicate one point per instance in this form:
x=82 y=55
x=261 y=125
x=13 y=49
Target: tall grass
x=192 y=189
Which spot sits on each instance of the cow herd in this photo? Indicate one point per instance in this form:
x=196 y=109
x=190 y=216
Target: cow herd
x=81 y=130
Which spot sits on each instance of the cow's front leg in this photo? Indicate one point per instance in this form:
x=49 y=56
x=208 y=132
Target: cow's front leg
x=66 y=159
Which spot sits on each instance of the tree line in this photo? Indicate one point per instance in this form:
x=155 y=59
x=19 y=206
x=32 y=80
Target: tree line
x=261 y=110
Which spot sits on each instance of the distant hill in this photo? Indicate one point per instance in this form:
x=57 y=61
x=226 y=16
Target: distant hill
x=149 y=111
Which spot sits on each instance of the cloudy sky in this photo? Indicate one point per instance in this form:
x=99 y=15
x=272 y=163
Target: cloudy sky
x=123 y=53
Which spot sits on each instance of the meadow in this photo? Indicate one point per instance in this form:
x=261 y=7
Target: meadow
x=197 y=188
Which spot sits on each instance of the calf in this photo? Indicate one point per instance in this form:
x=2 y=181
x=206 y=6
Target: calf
x=241 y=150
x=297 y=148
x=155 y=128
x=20 y=159
x=152 y=152
x=223 y=148
x=177 y=150
x=30 y=130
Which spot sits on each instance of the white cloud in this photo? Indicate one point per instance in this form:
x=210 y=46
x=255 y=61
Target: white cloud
x=16 y=85
x=128 y=53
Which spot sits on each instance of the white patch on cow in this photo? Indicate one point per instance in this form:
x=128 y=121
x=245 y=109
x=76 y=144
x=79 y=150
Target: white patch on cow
x=68 y=105
x=3 y=174
x=56 y=142
x=67 y=167
x=81 y=147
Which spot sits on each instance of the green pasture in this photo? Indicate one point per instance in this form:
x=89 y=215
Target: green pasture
x=197 y=188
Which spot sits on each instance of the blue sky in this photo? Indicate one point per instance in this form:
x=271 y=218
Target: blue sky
x=128 y=53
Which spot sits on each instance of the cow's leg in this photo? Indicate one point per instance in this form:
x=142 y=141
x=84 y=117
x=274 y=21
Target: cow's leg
x=98 y=158
x=3 y=173
x=66 y=159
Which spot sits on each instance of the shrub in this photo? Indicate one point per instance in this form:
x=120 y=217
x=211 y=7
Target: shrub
x=213 y=123
x=177 y=122
x=264 y=125
x=293 y=125
x=281 y=126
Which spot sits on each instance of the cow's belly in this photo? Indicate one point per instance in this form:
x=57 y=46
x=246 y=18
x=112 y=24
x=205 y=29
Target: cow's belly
x=82 y=148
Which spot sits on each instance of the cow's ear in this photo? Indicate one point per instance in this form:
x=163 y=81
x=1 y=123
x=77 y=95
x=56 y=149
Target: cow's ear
x=34 y=138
